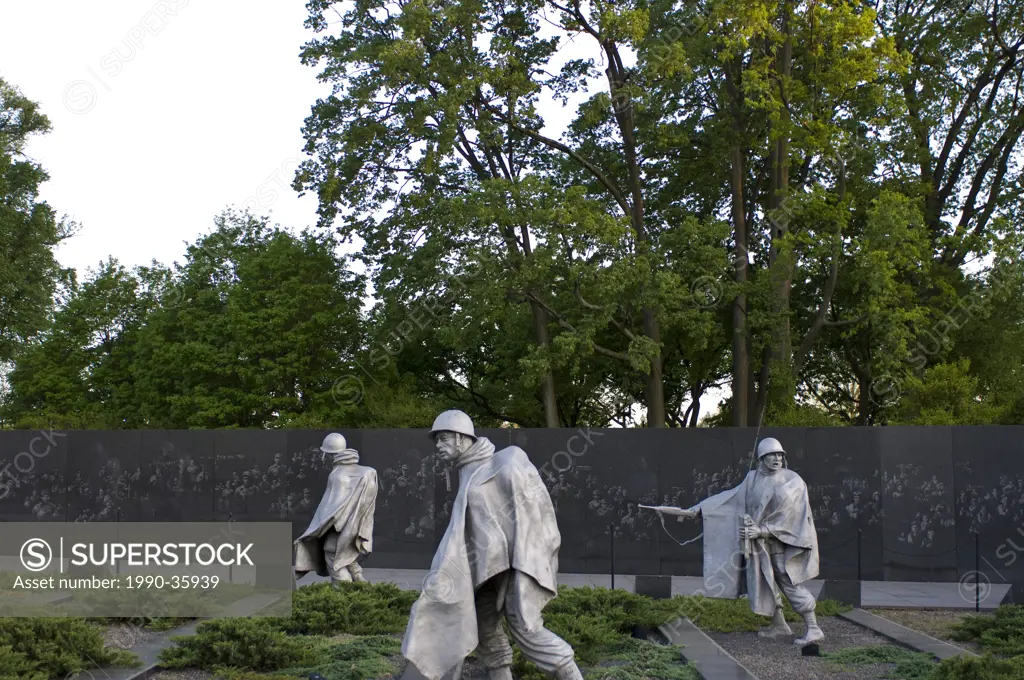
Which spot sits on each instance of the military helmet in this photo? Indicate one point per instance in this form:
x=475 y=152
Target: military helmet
x=333 y=443
x=769 y=445
x=453 y=421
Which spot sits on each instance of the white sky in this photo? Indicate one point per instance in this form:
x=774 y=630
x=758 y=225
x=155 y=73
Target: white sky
x=164 y=112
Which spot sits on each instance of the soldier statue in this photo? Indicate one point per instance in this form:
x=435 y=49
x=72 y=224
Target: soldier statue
x=767 y=519
x=497 y=560
x=342 y=528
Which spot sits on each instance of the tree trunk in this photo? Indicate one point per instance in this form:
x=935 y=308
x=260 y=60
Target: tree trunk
x=740 y=357
x=696 y=392
x=780 y=261
x=547 y=386
x=864 y=402
x=654 y=388
x=752 y=412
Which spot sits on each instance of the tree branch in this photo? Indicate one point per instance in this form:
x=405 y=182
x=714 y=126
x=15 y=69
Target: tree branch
x=547 y=141
x=569 y=327
x=819 y=318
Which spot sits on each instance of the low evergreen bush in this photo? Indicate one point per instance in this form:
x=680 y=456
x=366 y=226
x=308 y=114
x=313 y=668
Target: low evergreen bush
x=1002 y=633
x=355 y=608
x=53 y=647
x=17 y=666
x=734 y=616
x=598 y=622
x=256 y=644
x=907 y=664
x=986 y=667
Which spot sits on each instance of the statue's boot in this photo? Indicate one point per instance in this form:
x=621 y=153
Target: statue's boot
x=499 y=673
x=569 y=671
x=356 y=570
x=778 y=627
x=340 y=576
x=812 y=633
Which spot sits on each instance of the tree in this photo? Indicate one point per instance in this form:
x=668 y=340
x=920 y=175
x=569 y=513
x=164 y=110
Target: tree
x=29 y=230
x=962 y=115
x=439 y=99
x=253 y=331
x=778 y=93
x=79 y=373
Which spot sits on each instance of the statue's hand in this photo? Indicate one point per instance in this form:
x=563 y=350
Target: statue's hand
x=749 y=532
x=687 y=514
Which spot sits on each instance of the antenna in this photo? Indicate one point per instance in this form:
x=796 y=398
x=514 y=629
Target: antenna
x=757 y=435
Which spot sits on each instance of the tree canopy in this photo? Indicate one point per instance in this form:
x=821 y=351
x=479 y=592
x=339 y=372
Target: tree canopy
x=575 y=213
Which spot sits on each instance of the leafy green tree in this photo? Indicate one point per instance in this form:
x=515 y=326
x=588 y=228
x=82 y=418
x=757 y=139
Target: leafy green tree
x=255 y=329
x=947 y=394
x=961 y=116
x=29 y=229
x=79 y=373
x=438 y=103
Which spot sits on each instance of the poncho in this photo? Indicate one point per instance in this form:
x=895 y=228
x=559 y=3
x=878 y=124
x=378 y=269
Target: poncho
x=502 y=518
x=782 y=506
x=347 y=507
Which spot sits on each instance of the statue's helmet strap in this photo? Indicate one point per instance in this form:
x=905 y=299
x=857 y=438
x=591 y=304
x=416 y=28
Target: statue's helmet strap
x=333 y=443
x=453 y=421
x=769 y=445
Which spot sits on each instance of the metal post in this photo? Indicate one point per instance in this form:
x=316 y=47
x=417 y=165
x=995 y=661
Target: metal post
x=231 y=566
x=611 y=541
x=860 y=538
x=977 y=571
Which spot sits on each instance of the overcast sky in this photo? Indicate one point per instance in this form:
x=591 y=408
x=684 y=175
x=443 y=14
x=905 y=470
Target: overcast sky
x=165 y=112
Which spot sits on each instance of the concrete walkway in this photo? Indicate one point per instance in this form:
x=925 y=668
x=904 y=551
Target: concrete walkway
x=707 y=656
x=888 y=594
x=907 y=637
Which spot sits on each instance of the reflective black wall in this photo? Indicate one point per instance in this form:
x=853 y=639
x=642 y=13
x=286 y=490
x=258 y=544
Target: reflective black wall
x=894 y=503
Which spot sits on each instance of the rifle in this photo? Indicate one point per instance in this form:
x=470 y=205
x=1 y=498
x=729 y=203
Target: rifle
x=668 y=510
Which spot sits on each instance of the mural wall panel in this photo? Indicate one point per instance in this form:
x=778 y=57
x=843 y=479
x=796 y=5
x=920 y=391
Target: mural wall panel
x=918 y=531
x=177 y=479
x=242 y=476
x=408 y=472
x=843 y=476
x=693 y=466
x=916 y=495
x=103 y=472
x=989 y=484
x=33 y=481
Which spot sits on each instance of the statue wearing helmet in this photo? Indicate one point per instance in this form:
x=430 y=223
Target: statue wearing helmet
x=498 y=559
x=341 y=531
x=768 y=519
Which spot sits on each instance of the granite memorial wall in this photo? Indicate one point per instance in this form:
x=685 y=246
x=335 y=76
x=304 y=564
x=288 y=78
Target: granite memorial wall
x=894 y=503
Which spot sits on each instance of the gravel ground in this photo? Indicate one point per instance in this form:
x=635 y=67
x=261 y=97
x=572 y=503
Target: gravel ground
x=934 y=622
x=123 y=636
x=781 y=659
x=188 y=674
x=471 y=669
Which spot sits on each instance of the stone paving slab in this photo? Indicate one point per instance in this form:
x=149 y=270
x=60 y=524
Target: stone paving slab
x=149 y=652
x=411 y=672
x=907 y=637
x=703 y=653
